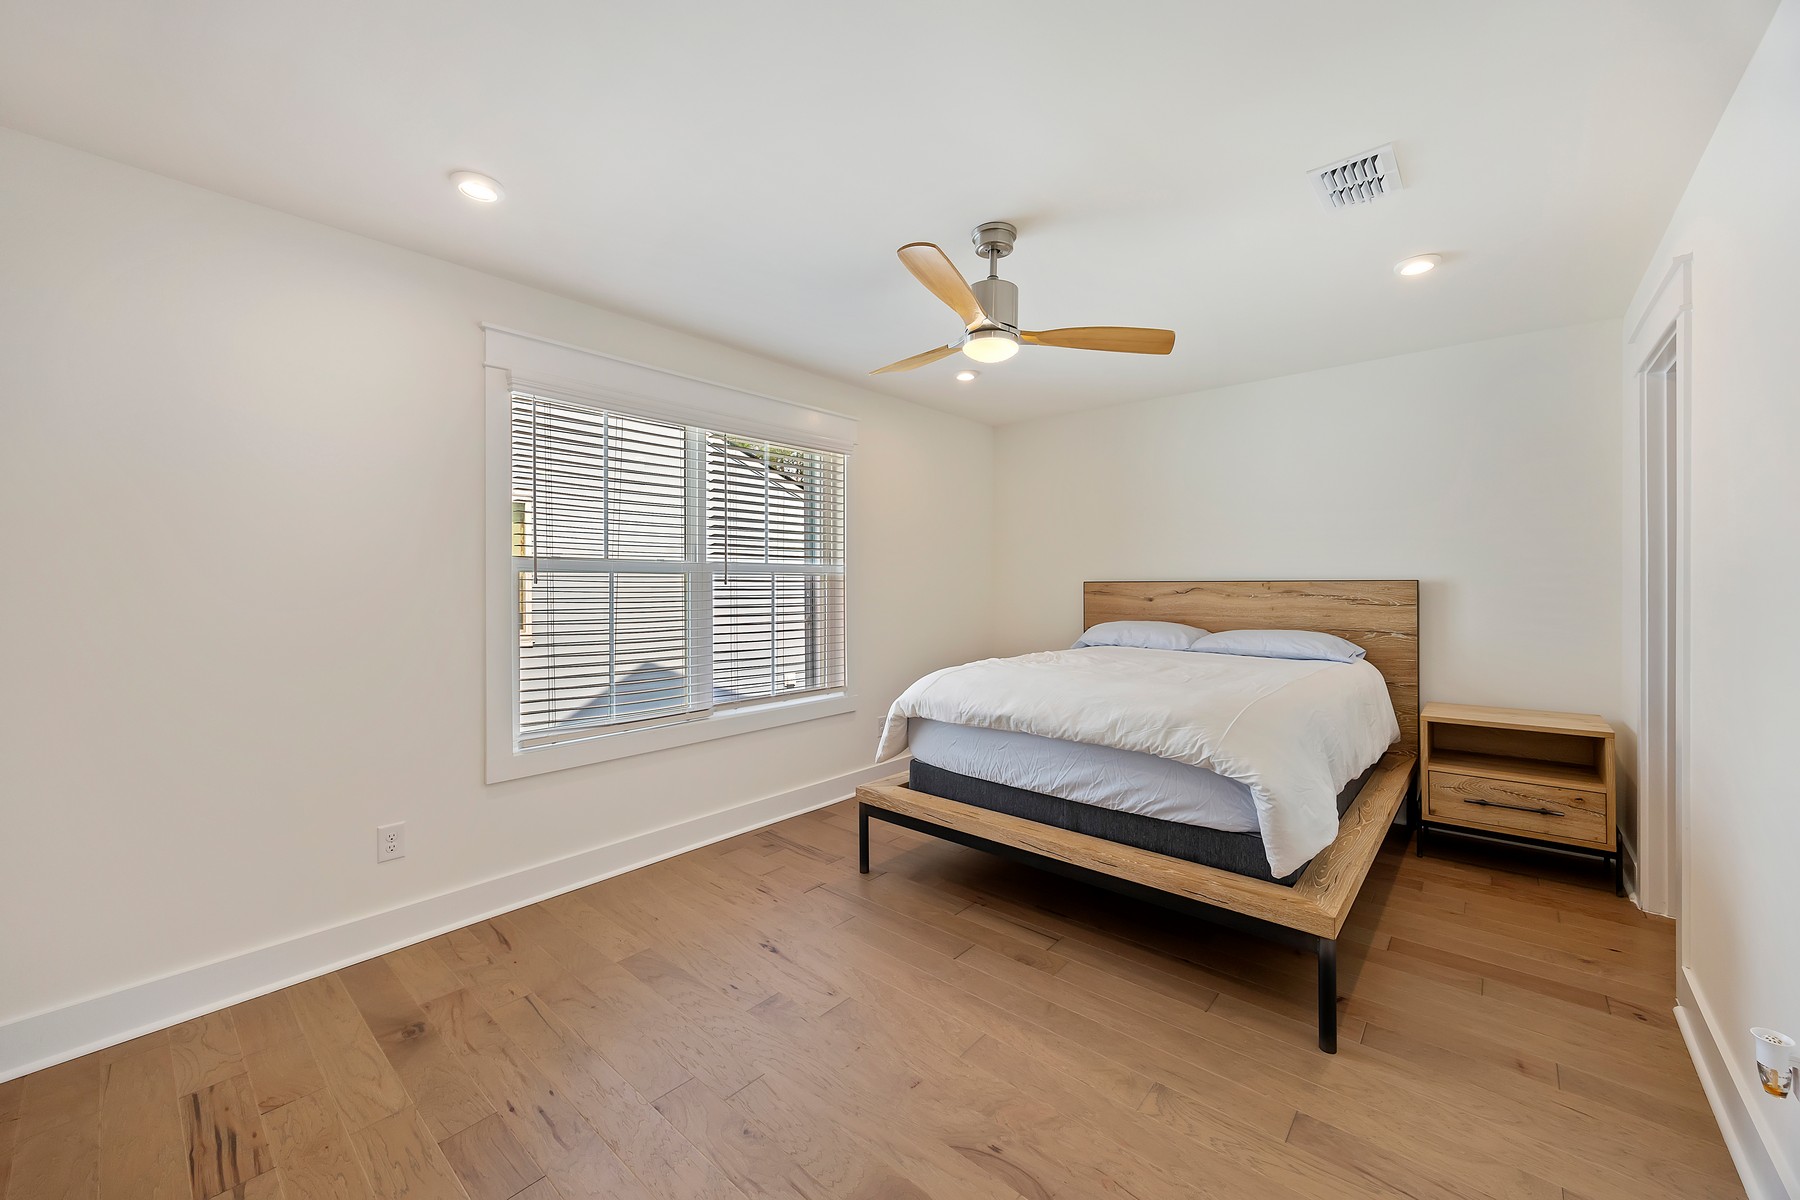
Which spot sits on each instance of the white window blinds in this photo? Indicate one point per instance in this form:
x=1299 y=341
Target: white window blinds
x=666 y=571
x=775 y=541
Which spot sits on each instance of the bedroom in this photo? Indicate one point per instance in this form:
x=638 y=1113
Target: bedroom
x=283 y=583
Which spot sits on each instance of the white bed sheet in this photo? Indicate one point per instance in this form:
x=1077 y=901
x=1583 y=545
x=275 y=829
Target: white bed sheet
x=1294 y=732
x=1126 y=780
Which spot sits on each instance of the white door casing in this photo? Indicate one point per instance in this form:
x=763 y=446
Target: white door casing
x=1660 y=342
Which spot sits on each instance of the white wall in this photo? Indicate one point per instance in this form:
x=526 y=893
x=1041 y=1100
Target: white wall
x=1489 y=472
x=240 y=615
x=1740 y=930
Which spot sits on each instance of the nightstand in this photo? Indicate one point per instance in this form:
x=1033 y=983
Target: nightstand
x=1536 y=778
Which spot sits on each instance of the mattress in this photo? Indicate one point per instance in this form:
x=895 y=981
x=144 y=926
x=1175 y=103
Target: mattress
x=1293 y=732
x=1239 y=853
x=1104 y=776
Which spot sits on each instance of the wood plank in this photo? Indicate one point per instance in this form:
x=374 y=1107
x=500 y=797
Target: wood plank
x=443 y=1091
x=552 y=1131
x=489 y=1160
x=1002 y=1135
x=157 y=1039
x=283 y=1073
x=357 y=1072
x=746 y=1152
x=12 y=1097
x=56 y=1151
x=205 y=1051
x=265 y=1021
x=422 y=972
x=312 y=1149
x=1434 y=1174
x=639 y=1034
x=1571 y=993
x=668 y=1164
x=325 y=1169
x=1217 y=1150
x=141 y=1136
x=299 y=1122
x=807 y=1114
x=56 y=1164
x=267 y=1186
x=224 y=1135
x=68 y=1093
x=9 y=1128
x=402 y=1161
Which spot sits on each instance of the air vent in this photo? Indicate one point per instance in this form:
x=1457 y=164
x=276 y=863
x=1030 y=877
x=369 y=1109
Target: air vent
x=1359 y=179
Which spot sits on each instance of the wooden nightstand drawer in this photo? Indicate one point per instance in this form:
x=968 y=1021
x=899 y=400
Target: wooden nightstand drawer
x=1527 y=809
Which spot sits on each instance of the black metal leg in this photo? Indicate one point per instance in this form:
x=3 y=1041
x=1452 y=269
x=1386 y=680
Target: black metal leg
x=1419 y=843
x=1328 y=995
x=1618 y=866
x=862 y=838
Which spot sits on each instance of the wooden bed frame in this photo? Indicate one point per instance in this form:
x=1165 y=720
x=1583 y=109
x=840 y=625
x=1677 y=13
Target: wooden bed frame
x=1380 y=615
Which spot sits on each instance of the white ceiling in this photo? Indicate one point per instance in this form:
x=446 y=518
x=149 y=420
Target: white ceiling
x=745 y=170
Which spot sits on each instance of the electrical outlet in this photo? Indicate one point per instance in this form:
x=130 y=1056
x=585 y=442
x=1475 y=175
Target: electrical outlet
x=390 y=841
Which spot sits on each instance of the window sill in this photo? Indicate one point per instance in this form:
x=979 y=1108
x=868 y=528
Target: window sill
x=604 y=747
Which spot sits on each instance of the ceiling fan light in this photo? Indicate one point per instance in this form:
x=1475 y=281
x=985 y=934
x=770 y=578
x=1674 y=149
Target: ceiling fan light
x=991 y=345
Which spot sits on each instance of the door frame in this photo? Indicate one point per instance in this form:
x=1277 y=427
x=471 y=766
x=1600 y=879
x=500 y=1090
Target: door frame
x=1662 y=337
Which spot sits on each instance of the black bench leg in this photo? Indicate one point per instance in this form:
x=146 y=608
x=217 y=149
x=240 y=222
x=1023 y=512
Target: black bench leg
x=862 y=838
x=1327 y=995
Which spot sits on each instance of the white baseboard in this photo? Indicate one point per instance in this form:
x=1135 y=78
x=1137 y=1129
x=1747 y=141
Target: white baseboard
x=1766 y=1172
x=43 y=1039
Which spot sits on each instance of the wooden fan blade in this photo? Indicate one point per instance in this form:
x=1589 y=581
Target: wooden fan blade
x=933 y=268
x=917 y=360
x=1122 y=339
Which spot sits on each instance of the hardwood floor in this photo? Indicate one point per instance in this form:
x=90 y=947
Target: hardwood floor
x=755 y=1019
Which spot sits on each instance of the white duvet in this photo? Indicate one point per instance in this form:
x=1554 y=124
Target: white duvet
x=1293 y=732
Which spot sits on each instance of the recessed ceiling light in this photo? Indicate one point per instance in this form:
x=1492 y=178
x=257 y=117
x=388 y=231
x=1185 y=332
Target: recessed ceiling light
x=967 y=376
x=1419 y=264
x=476 y=186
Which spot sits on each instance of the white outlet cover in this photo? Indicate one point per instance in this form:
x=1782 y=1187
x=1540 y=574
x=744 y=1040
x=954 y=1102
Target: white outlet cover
x=390 y=841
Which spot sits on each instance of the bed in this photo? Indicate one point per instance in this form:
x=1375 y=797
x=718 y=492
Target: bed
x=1162 y=830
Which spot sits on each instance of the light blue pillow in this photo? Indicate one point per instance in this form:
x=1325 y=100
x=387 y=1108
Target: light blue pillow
x=1280 y=643
x=1145 y=635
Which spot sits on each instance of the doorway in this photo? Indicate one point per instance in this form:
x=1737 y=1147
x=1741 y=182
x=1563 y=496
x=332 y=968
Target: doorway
x=1661 y=803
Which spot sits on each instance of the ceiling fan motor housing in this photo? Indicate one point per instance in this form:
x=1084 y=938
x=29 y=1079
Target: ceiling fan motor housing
x=999 y=299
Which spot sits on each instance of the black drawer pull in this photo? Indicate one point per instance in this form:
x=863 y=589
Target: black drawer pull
x=1542 y=812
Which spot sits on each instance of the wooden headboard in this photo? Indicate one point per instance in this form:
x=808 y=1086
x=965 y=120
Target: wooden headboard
x=1380 y=615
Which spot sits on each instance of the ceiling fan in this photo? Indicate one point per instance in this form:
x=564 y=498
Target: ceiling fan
x=990 y=309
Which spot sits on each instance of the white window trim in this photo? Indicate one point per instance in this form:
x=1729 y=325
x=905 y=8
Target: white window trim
x=526 y=363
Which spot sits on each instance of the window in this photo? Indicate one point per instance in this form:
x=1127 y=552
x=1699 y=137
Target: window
x=668 y=579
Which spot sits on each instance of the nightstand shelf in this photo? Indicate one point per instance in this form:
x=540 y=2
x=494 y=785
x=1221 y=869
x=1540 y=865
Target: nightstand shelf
x=1518 y=775
x=1520 y=770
